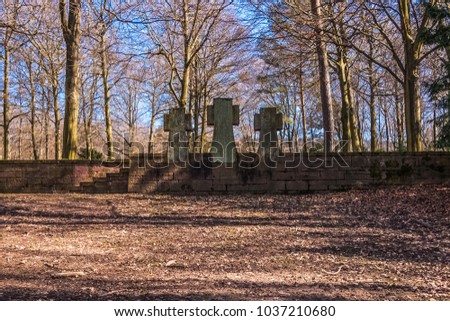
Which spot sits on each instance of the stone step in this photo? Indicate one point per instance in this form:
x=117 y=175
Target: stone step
x=118 y=189
x=76 y=189
x=116 y=182
x=116 y=175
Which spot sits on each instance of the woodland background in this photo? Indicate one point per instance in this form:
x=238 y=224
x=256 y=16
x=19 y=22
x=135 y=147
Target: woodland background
x=79 y=78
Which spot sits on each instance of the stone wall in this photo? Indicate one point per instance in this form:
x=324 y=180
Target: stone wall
x=50 y=176
x=291 y=173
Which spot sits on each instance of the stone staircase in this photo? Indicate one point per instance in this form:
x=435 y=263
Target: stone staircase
x=112 y=183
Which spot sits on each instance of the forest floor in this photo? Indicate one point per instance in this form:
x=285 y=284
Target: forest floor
x=383 y=244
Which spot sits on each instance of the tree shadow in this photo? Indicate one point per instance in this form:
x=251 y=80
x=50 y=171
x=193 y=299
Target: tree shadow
x=395 y=227
x=367 y=232
x=91 y=288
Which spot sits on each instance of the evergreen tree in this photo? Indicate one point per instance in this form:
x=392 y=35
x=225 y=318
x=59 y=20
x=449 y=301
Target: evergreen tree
x=440 y=88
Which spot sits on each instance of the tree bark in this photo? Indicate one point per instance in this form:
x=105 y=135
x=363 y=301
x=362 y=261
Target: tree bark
x=386 y=122
x=187 y=57
x=325 y=89
x=346 y=89
x=353 y=118
x=204 y=121
x=46 y=125
x=413 y=48
x=6 y=120
x=152 y=126
x=302 y=111
x=33 y=111
x=20 y=139
x=106 y=96
x=345 y=103
x=373 y=115
x=399 y=113
x=56 y=115
x=72 y=34
x=434 y=127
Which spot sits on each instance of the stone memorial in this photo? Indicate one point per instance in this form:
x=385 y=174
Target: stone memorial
x=267 y=122
x=223 y=115
x=178 y=124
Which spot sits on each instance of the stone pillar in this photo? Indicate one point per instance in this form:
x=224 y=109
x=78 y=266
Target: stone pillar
x=223 y=115
x=267 y=122
x=177 y=123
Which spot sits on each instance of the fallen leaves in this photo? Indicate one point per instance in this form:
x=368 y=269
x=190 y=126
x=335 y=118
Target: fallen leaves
x=389 y=243
x=171 y=263
x=75 y=274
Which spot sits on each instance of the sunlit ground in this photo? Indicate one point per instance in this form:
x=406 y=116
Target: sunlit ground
x=361 y=245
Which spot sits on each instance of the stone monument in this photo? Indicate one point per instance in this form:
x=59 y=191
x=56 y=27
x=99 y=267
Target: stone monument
x=178 y=123
x=267 y=122
x=223 y=115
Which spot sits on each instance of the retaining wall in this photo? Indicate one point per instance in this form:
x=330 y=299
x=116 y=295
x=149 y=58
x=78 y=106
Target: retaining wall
x=291 y=173
x=49 y=176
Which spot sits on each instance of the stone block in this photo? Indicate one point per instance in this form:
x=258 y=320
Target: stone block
x=237 y=187
x=284 y=176
x=332 y=174
x=222 y=173
x=218 y=187
x=261 y=188
x=278 y=186
x=228 y=181
x=318 y=185
x=202 y=185
x=296 y=186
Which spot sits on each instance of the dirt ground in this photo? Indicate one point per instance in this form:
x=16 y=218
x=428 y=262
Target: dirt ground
x=385 y=244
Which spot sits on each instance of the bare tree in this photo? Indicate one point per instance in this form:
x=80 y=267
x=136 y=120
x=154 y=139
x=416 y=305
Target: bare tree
x=13 y=27
x=408 y=20
x=180 y=30
x=71 y=25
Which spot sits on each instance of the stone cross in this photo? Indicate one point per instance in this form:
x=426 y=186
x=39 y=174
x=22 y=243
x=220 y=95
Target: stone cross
x=177 y=123
x=268 y=121
x=223 y=115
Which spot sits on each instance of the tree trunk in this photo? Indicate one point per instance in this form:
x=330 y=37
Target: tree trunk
x=106 y=96
x=373 y=115
x=325 y=90
x=434 y=127
x=204 y=121
x=386 y=122
x=56 y=115
x=412 y=105
x=399 y=113
x=345 y=104
x=33 y=124
x=196 y=96
x=447 y=50
x=187 y=57
x=46 y=130
x=6 y=139
x=412 y=49
x=152 y=126
x=87 y=134
x=20 y=138
x=33 y=111
x=353 y=119
x=87 y=114
x=302 y=111
x=72 y=34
